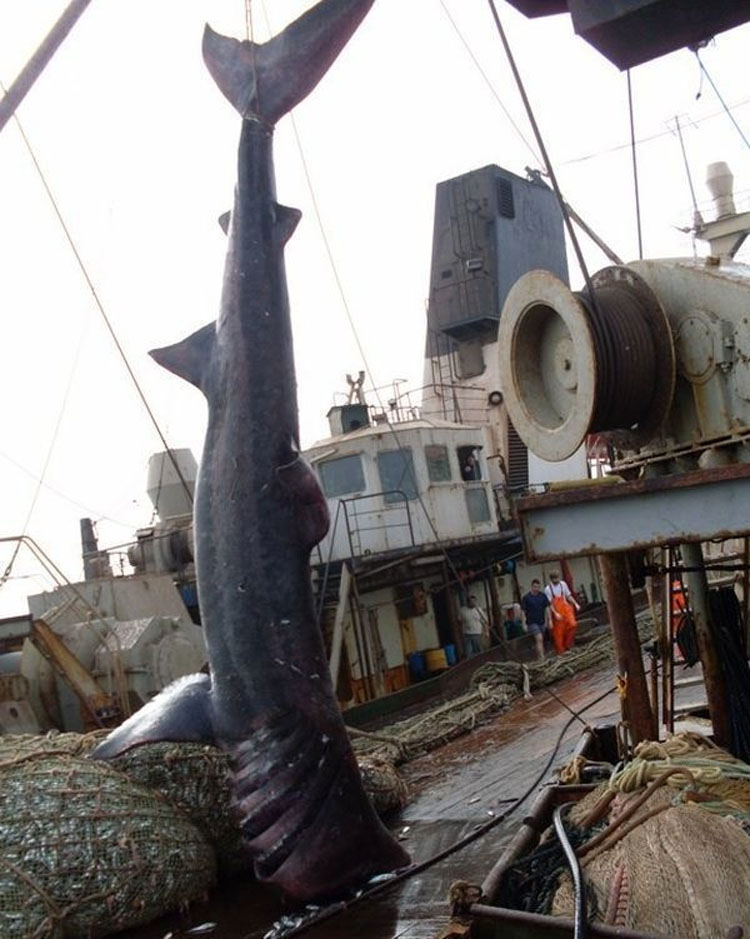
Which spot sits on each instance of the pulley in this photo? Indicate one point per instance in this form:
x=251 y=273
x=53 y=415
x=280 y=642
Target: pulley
x=573 y=364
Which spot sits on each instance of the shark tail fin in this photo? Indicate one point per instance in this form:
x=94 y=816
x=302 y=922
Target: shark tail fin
x=266 y=81
x=189 y=357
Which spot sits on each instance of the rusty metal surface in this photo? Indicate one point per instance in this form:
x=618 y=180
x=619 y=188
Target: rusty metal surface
x=453 y=790
x=675 y=509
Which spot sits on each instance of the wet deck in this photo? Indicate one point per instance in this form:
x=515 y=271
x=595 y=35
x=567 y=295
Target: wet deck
x=454 y=790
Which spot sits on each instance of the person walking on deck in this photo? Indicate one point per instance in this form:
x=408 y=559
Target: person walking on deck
x=474 y=625
x=563 y=606
x=536 y=607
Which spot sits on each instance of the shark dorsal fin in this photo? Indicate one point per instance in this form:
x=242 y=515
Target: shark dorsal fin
x=189 y=358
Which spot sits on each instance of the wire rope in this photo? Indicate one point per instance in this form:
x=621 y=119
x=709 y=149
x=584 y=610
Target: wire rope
x=635 y=168
x=348 y=312
x=727 y=110
x=50 y=449
x=99 y=304
x=543 y=149
x=61 y=495
x=489 y=84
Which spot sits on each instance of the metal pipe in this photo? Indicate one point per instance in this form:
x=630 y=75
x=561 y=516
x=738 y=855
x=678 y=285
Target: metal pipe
x=636 y=703
x=39 y=60
x=716 y=689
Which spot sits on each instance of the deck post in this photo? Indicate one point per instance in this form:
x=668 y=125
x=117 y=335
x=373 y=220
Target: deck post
x=716 y=690
x=636 y=706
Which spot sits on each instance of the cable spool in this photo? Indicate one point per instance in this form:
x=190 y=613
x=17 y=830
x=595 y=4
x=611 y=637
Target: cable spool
x=575 y=365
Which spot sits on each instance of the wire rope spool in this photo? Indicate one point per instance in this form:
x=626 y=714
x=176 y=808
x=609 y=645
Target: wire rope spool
x=574 y=366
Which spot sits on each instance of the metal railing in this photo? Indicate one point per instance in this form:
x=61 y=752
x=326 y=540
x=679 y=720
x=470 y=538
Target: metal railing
x=354 y=513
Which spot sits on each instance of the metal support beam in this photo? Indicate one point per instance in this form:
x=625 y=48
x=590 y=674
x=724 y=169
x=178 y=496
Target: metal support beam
x=635 y=704
x=37 y=63
x=597 y=519
x=713 y=677
x=337 y=640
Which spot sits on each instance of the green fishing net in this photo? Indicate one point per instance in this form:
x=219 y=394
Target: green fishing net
x=85 y=851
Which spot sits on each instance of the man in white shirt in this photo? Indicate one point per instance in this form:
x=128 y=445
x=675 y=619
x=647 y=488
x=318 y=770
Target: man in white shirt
x=562 y=603
x=474 y=625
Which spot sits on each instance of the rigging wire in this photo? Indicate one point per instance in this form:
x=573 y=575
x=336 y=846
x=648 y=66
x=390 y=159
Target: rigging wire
x=61 y=495
x=545 y=156
x=40 y=481
x=697 y=219
x=635 y=168
x=651 y=137
x=98 y=302
x=350 y=318
x=489 y=84
x=727 y=111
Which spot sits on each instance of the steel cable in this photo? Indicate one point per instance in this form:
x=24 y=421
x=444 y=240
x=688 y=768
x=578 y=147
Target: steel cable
x=625 y=354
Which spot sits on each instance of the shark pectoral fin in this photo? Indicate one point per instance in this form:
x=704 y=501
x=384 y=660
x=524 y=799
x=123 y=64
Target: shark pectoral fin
x=224 y=220
x=180 y=713
x=287 y=220
x=189 y=358
x=312 y=509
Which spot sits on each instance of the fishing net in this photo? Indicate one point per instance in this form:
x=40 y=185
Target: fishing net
x=492 y=688
x=383 y=784
x=194 y=778
x=85 y=851
x=682 y=872
x=676 y=816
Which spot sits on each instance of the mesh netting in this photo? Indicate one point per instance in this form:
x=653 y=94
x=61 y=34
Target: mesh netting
x=193 y=777
x=686 y=832
x=85 y=851
x=383 y=784
x=699 y=862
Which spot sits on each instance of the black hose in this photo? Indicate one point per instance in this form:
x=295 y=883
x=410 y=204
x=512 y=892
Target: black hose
x=580 y=930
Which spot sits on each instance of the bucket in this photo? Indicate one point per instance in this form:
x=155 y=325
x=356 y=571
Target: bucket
x=417 y=666
x=450 y=654
x=436 y=660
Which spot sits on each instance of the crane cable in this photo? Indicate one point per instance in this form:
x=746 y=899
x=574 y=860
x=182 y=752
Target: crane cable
x=353 y=327
x=40 y=480
x=99 y=304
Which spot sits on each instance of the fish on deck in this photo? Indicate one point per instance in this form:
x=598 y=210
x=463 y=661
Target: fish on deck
x=269 y=702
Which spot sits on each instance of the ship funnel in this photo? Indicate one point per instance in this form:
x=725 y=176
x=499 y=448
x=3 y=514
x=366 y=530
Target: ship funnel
x=719 y=180
x=164 y=486
x=572 y=366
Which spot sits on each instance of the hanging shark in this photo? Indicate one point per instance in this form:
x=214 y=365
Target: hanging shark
x=269 y=702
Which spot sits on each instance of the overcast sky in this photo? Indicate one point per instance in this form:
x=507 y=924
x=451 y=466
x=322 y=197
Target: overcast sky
x=139 y=148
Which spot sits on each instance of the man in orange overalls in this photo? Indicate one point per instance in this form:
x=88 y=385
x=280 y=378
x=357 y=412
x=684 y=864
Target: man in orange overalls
x=562 y=606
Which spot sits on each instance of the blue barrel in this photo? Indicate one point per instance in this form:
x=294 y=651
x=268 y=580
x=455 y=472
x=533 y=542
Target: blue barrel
x=417 y=666
x=450 y=654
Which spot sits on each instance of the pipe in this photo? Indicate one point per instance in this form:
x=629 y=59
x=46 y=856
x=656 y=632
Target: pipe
x=716 y=689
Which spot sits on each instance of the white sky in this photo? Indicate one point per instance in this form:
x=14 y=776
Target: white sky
x=139 y=148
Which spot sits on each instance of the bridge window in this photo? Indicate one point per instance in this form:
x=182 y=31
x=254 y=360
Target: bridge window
x=438 y=464
x=468 y=460
x=396 y=469
x=477 y=505
x=342 y=476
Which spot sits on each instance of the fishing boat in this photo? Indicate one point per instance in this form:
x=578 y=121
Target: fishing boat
x=695 y=462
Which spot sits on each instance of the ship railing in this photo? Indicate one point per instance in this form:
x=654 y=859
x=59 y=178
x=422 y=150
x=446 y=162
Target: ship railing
x=391 y=514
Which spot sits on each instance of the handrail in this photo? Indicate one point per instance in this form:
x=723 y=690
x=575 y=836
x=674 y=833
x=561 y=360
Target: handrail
x=324 y=587
x=400 y=505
